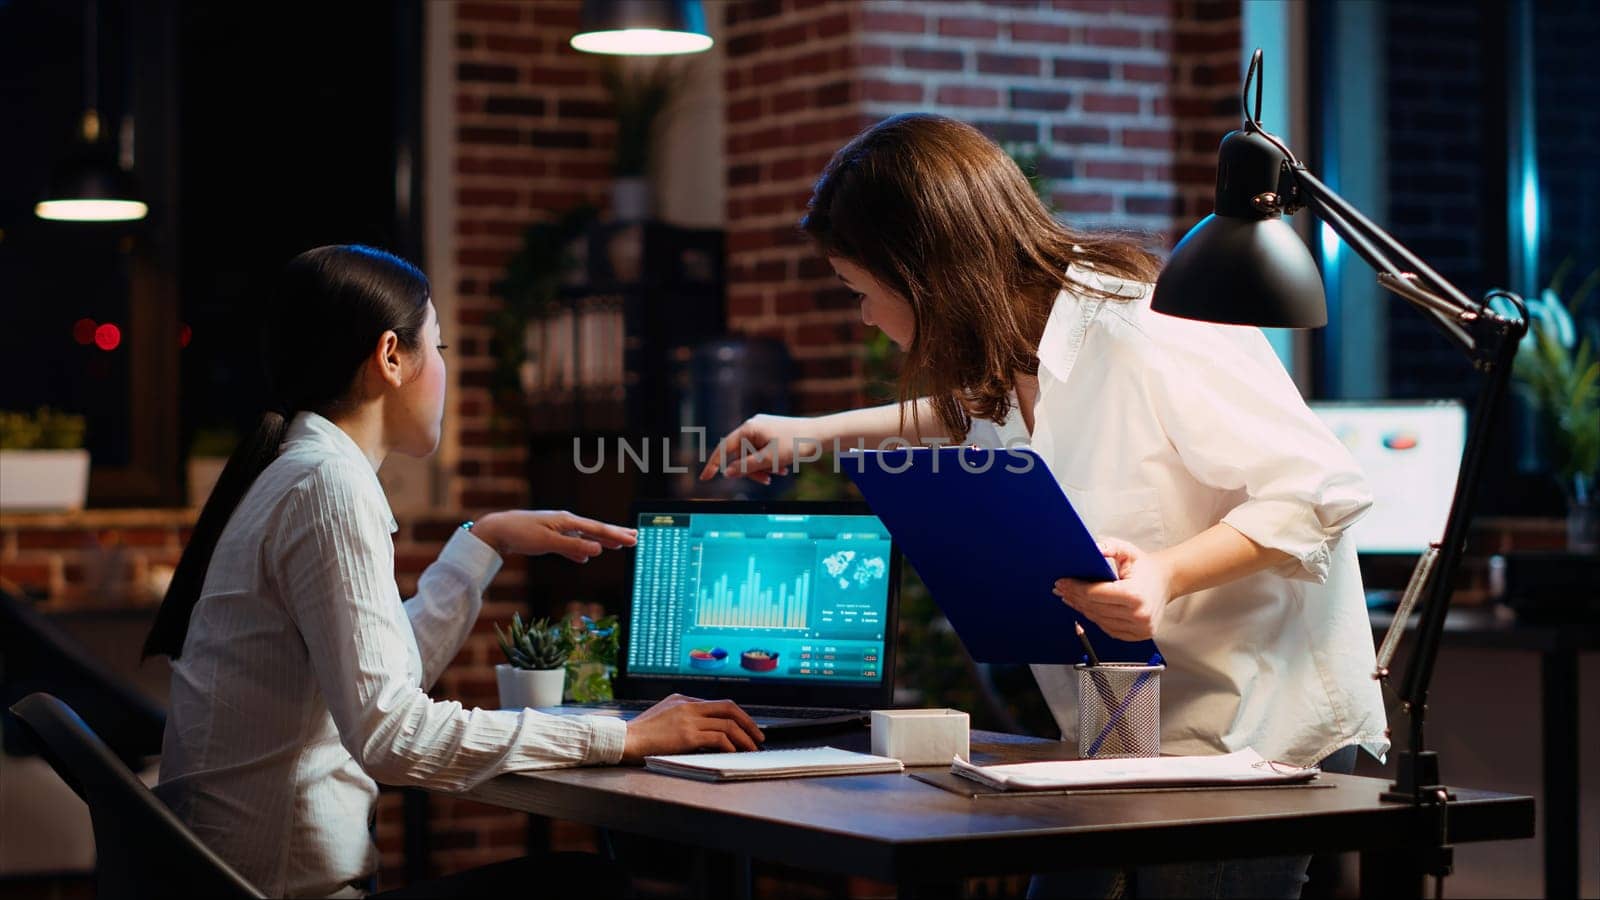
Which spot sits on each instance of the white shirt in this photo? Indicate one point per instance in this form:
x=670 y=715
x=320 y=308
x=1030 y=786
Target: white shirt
x=303 y=677
x=1158 y=428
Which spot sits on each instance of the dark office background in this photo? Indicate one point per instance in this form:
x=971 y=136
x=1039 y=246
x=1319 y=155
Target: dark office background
x=290 y=130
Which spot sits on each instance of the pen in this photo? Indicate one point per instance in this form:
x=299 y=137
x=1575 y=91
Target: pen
x=1088 y=648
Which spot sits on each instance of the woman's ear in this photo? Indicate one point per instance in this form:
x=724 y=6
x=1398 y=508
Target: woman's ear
x=390 y=359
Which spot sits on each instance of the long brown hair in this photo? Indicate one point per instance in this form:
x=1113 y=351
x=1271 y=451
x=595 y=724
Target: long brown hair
x=941 y=215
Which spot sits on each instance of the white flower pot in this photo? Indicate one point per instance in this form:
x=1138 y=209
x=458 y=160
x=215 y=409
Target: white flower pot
x=529 y=688
x=43 y=480
x=203 y=474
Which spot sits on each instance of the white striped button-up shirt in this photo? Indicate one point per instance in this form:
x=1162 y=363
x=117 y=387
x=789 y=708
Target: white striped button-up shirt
x=303 y=678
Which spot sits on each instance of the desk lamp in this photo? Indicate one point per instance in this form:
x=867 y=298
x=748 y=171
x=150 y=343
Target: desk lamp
x=1244 y=265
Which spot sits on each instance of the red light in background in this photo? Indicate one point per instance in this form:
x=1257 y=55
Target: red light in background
x=107 y=337
x=83 y=331
x=185 y=335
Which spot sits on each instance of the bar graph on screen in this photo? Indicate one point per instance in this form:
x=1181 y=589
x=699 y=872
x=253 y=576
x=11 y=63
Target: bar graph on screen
x=752 y=604
x=761 y=596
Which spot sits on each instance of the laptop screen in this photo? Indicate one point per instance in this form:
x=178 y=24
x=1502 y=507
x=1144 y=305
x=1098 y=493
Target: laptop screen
x=797 y=595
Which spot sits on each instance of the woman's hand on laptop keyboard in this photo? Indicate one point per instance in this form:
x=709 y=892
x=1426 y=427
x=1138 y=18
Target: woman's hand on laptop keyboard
x=682 y=724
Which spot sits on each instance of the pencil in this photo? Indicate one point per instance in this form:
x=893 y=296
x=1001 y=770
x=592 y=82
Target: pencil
x=1088 y=648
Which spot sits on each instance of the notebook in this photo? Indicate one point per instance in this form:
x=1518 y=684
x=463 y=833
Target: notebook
x=989 y=532
x=804 y=762
x=786 y=607
x=1239 y=768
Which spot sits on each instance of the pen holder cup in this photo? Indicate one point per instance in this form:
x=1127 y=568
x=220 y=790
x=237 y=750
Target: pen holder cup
x=1119 y=711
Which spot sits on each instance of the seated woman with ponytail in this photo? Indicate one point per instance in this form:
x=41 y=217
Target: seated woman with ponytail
x=299 y=678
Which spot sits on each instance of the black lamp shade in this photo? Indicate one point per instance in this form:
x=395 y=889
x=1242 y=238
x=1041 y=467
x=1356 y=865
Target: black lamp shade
x=1242 y=265
x=89 y=186
x=642 y=27
x=1242 y=272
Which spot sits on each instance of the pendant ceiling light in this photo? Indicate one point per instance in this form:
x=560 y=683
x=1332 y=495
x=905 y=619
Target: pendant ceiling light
x=642 y=27
x=90 y=184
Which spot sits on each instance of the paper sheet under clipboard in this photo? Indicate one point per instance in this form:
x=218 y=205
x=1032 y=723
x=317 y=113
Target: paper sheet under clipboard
x=1242 y=767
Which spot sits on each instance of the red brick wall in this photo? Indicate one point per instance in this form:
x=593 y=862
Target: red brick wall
x=1123 y=101
x=793 y=93
x=107 y=559
x=533 y=135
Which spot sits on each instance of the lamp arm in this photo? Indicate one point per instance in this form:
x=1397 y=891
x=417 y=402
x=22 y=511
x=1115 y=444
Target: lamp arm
x=1491 y=341
x=1451 y=309
x=1259 y=177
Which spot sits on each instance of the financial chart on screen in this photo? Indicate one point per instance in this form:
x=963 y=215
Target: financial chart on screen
x=760 y=596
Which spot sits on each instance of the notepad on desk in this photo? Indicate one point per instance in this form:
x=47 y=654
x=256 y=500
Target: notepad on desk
x=1244 y=767
x=751 y=766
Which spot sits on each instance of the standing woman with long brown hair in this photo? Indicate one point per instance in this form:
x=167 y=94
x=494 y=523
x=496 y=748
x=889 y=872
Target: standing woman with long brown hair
x=1218 y=496
x=299 y=678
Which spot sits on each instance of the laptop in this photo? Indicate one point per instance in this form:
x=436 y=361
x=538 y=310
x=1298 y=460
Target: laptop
x=788 y=608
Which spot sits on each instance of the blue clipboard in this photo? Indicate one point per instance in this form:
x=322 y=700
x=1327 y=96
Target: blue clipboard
x=990 y=531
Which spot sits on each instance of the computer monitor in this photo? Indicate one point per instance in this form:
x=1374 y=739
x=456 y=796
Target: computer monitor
x=1410 y=451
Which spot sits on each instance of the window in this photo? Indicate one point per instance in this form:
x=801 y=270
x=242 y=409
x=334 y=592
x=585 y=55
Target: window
x=1467 y=131
x=246 y=158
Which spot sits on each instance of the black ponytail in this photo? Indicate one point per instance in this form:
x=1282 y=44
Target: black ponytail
x=331 y=307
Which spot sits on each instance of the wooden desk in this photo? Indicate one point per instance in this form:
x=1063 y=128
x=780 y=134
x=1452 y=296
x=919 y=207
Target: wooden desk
x=897 y=829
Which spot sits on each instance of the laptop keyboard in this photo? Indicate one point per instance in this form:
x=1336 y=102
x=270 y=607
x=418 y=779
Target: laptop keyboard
x=795 y=712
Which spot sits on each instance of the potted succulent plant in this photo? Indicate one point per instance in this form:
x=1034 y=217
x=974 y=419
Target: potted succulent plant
x=43 y=466
x=1557 y=373
x=535 y=669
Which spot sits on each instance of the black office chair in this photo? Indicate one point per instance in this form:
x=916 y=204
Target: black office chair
x=36 y=655
x=141 y=848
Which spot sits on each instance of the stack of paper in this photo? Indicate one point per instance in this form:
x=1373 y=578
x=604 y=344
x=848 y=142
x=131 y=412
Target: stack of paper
x=799 y=763
x=1244 y=767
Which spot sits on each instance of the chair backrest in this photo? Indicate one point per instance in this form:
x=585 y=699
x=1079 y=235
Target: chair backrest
x=36 y=655
x=141 y=848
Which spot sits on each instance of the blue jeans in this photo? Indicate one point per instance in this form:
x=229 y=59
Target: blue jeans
x=1275 y=876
